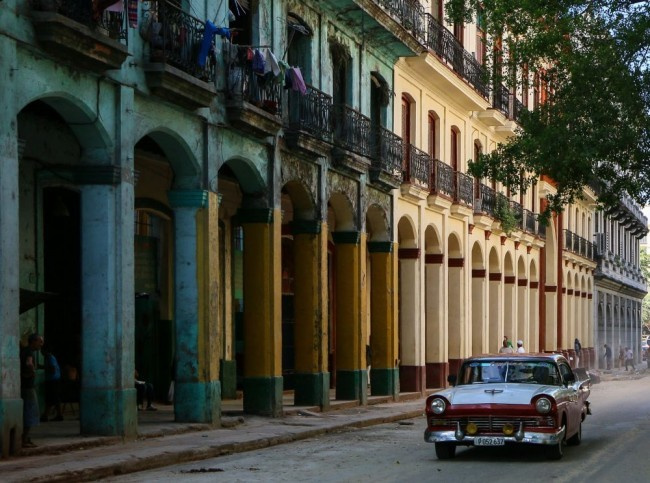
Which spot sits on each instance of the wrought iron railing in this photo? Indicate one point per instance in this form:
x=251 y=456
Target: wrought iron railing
x=517 y=108
x=530 y=221
x=487 y=200
x=541 y=228
x=464 y=188
x=443 y=179
x=501 y=99
x=417 y=166
x=175 y=39
x=389 y=154
x=440 y=40
x=113 y=24
x=352 y=130
x=311 y=113
x=518 y=211
x=578 y=245
x=409 y=13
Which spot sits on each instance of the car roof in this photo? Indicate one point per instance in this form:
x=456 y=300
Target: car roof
x=554 y=357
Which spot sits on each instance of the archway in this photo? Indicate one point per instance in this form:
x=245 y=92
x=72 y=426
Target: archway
x=479 y=330
x=533 y=308
x=523 y=324
x=509 y=299
x=437 y=367
x=496 y=331
x=457 y=342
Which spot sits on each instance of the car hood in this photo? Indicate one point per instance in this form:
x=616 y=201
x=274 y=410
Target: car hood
x=506 y=393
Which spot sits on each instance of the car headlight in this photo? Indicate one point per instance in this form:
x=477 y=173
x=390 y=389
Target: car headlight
x=543 y=405
x=438 y=406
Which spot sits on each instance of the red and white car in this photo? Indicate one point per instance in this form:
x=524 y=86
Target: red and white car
x=510 y=398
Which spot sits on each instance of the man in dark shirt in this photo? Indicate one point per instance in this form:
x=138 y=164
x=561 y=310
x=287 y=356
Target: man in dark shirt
x=31 y=412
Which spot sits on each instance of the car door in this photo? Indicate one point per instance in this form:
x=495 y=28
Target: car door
x=571 y=398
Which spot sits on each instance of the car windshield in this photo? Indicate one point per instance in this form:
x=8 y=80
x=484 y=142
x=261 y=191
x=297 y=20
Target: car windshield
x=497 y=371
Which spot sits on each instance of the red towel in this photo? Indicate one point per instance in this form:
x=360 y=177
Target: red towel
x=133 y=13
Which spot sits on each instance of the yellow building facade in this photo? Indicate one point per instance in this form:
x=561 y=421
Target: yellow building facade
x=475 y=264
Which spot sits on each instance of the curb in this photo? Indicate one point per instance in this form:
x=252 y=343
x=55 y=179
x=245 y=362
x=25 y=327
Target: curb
x=170 y=459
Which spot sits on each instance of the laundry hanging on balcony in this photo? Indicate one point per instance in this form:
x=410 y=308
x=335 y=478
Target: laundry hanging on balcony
x=132 y=13
x=209 y=33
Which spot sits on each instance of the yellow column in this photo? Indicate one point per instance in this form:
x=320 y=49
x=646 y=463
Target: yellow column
x=351 y=376
x=384 y=373
x=262 y=311
x=310 y=303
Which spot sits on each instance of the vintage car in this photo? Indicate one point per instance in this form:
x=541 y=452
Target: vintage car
x=509 y=398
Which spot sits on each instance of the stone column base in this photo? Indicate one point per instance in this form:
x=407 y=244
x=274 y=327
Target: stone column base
x=384 y=382
x=108 y=412
x=197 y=402
x=412 y=378
x=11 y=423
x=437 y=373
x=263 y=396
x=352 y=386
x=312 y=390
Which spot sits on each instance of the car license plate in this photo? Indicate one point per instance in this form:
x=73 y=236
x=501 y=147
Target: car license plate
x=484 y=441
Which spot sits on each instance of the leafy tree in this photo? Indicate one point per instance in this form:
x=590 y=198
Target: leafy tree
x=594 y=129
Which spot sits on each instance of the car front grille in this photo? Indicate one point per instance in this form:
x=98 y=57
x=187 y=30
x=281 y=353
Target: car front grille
x=487 y=424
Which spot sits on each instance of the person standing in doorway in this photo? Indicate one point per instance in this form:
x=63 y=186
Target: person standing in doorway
x=31 y=412
x=520 y=346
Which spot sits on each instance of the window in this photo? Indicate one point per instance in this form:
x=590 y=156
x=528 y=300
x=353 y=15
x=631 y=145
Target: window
x=432 y=130
x=454 y=146
x=481 y=44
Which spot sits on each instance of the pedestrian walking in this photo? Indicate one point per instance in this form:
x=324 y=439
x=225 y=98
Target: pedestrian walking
x=608 y=357
x=31 y=412
x=629 y=358
x=577 y=347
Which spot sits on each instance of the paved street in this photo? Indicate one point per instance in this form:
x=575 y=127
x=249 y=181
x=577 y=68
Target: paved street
x=616 y=439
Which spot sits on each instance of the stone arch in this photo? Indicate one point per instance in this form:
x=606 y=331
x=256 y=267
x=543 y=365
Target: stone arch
x=377 y=224
x=187 y=171
x=302 y=203
x=407 y=233
x=342 y=208
x=523 y=322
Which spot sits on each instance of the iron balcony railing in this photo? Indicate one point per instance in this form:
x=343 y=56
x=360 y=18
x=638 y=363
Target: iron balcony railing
x=417 y=166
x=443 y=179
x=541 y=228
x=518 y=211
x=501 y=99
x=174 y=40
x=352 y=130
x=410 y=15
x=441 y=41
x=311 y=113
x=578 y=245
x=113 y=24
x=389 y=154
x=487 y=200
x=464 y=188
x=530 y=221
x=517 y=108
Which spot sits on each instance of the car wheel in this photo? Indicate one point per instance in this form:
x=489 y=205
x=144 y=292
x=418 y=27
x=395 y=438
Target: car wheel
x=555 y=451
x=445 y=451
x=576 y=438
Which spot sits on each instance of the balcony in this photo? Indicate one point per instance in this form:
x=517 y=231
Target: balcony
x=441 y=41
x=386 y=167
x=352 y=139
x=417 y=167
x=174 y=72
x=541 y=229
x=310 y=121
x=578 y=245
x=463 y=188
x=410 y=15
x=70 y=33
x=486 y=201
x=501 y=100
x=530 y=222
x=442 y=179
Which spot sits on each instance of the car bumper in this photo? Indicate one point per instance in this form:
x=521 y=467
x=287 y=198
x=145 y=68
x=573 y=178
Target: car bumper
x=530 y=437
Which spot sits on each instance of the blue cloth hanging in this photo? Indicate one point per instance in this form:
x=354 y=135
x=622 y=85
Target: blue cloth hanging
x=208 y=36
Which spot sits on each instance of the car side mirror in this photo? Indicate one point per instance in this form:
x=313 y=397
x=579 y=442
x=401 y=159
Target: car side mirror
x=451 y=379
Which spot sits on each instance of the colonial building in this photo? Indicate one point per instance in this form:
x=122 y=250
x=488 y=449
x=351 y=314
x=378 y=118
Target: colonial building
x=200 y=191
x=619 y=282
x=475 y=263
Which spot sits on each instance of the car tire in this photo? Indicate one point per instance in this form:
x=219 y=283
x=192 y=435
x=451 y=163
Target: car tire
x=445 y=451
x=555 y=451
x=576 y=439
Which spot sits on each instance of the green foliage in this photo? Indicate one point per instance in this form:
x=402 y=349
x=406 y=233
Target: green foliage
x=595 y=130
x=506 y=215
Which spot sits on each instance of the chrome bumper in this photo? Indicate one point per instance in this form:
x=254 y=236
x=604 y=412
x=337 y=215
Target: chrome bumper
x=531 y=437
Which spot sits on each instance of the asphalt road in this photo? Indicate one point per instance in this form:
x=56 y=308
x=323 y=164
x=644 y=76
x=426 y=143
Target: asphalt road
x=615 y=447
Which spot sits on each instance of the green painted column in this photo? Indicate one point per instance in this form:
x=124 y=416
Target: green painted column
x=351 y=373
x=384 y=372
x=197 y=390
x=310 y=295
x=263 y=383
x=11 y=405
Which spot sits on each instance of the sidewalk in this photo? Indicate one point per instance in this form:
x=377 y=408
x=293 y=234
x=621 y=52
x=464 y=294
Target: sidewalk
x=64 y=455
